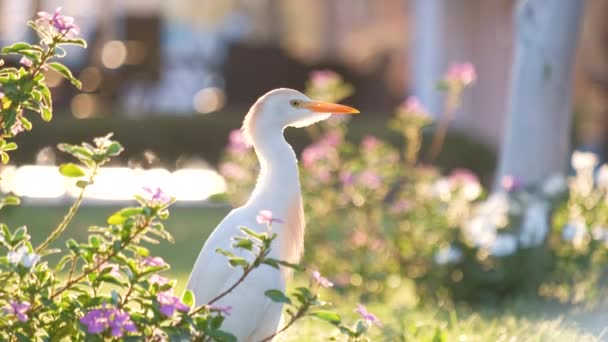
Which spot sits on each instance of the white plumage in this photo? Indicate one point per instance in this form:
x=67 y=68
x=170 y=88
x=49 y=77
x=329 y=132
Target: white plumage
x=254 y=316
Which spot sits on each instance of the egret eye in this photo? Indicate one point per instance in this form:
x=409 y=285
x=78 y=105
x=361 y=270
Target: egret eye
x=295 y=103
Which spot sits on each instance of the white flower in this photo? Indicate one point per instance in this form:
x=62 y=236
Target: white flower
x=576 y=232
x=602 y=177
x=504 y=245
x=583 y=160
x=21 y=255
x=554 y=185
x=480 y=232
x=599 y=233
x=471 y=190
x=448 y=255
x=535 y=224
x=442 y=189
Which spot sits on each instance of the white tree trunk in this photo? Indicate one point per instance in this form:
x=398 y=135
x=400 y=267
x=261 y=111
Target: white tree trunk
x=427 y=63
x=539 y=111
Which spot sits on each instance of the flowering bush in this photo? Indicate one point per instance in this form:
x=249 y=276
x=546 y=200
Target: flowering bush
x=109 y=286
x=384 y=215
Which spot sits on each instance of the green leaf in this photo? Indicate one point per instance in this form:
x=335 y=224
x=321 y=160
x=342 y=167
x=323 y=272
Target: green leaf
x=114 y=149
x=71 y=170
x=46 y=113
x=271 y=263
x=83 y=184
x=11 y=200
x=9 y=147
x=74 y=41
x=4 y=157
x=238 y=261
x=259 y=236
x=244 y=244
x=116 y=219
x=65 y=72
x=277 y=296
x=188 y=298
x=327 y=316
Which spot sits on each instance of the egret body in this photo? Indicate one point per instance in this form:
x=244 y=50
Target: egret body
x=254 y=316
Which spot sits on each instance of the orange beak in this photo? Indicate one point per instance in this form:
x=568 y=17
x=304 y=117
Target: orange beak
x=326 y=107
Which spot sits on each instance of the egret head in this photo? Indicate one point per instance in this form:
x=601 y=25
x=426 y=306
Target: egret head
x=284 y=107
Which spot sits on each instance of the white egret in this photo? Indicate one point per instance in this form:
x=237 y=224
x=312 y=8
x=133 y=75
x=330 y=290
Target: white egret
x=253 y=315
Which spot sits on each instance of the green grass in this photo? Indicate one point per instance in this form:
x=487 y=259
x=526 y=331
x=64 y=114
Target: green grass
x=515 y=320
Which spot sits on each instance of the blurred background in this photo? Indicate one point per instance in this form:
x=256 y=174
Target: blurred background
x=172 y=79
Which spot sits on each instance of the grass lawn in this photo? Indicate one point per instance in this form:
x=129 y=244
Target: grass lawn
x=516 y=320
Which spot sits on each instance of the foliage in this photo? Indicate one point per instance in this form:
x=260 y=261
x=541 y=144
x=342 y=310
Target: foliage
x=23 y=89
x=379 y=216
x=109 y=286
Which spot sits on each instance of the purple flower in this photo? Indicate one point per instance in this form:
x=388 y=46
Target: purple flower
x=156 y=279
x=18 y=309
x=63 y=24
x=370 y=179
x=347 y=178
x=118 y=321
x=512 y=183
x=236 y=141
x=222 y=309
x=367 y=316
x=265 y=217
x=316 y=275
x=154 y=262
x=96 y=321
x=169 y=303
x=26 y=62
x=369 y=143
x=462 y=73
x=323 y=78
x=158 y=196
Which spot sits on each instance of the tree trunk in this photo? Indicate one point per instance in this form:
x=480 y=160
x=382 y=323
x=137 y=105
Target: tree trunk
x=539 y=111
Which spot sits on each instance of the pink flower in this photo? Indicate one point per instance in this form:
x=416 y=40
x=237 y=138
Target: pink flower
x=232 y=170
x=63 y=24
x=401 y=206
x=462 y=73
x=265 y=217
x=367 y=316
x=158 y=196
x=331 y=139
x=18 y=309
x=26 y=62
x=221 y=309
x=462 y=176
x=369 y=143
x=169 y=303
x=512 y=183
x=370 y=179
x=1 y=95
x=412 y=107
x=154 y=262
x=156 y=279
x=236 y=141
x=323 y=78
x=17 y=127
x=316 y=275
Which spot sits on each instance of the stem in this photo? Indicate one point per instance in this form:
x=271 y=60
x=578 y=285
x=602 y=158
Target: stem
x=70 y=215
x=71 y=283
x=297 y=316
x=442 y=126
